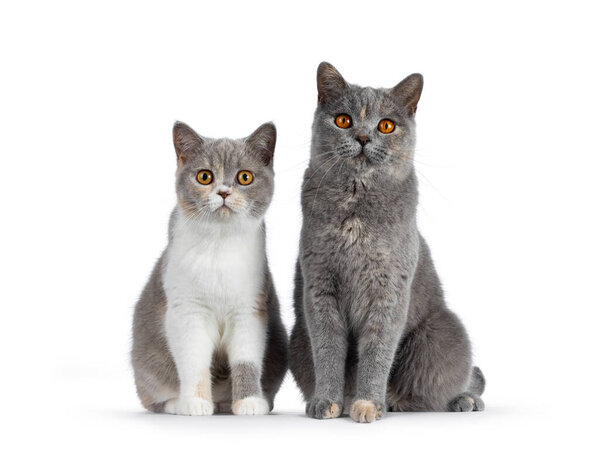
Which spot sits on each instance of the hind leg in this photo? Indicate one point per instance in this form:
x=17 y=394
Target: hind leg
x=154 y=393
x=432 y=368
x=466 y=402
x=155 y=374
x=471 y=400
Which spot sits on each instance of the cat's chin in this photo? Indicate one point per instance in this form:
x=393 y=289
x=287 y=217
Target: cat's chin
x=224 y=213
x=359 y=158
x=359 y=161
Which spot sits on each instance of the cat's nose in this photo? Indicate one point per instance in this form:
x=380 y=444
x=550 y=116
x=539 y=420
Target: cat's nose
x=363 y=139
x=223 y=194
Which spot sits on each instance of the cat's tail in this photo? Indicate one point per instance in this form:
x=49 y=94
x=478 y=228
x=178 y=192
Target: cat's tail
x=477 y=383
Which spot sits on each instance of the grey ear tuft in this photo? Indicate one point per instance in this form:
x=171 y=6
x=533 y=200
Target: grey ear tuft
x=330 y=82
x=408 y=92
x=185 y=139
x=263 y=141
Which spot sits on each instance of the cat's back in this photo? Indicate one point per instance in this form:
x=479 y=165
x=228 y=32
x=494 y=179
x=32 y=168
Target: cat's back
x=148 y=318
x=152 y=302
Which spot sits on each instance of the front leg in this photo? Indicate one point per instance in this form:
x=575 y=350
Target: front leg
x=329 y=344
x=377 y=343
x=190 y=331
x=246 y=348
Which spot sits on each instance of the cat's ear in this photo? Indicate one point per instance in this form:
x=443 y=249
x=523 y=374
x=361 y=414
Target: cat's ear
x=185 y=140
x=330 y=82
x=262 y=142
x=408 y=92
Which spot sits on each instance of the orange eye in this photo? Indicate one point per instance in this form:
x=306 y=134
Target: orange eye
x=343 y=121
x=386 y=126
x=204 y=177
x=245 y=177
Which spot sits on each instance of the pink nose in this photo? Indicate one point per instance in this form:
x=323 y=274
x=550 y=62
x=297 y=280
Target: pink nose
x=363 y=139
x=223 y=194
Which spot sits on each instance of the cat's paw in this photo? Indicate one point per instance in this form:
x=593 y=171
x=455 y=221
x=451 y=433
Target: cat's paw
x=366 y=411
x=250 y=406
x=321 y=408
x=189 y=406
x=466 y=403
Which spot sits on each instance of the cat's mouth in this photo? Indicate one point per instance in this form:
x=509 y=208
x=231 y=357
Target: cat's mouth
x=369 y=156
x=360 y=156
x=359 y=161
x=224 y=210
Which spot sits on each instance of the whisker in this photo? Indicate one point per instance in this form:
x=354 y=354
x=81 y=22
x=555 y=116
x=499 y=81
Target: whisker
x=317 y=193
x=422 y=176
x=319 y=168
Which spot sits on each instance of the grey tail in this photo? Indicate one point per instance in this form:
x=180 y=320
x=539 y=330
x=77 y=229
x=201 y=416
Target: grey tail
x=477 y=384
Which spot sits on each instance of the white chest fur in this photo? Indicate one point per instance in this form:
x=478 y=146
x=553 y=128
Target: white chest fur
x=219 y=266
x=213 y=275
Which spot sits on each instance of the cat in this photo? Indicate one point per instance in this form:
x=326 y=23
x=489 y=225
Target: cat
x=372 y=331
x=207 y=332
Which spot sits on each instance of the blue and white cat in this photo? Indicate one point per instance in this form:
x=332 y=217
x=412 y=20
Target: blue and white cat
x=207 y=333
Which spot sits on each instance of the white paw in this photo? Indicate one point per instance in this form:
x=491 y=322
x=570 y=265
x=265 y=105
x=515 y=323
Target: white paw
x=251 y=406
x=189 y=406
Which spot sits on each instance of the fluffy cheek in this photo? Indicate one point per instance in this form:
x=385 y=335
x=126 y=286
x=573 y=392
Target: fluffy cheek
x=403 y=148
x=237 y=202
x=194 y=200
x=348 y=147
x=257 y=197
x=394 y=148
x=379 y=149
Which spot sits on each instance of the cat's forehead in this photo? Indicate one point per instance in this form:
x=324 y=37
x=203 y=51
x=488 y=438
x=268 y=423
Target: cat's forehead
x=367 y=100
x=225 y=153
x=365 y=95
x=222 y=146
x=222 y=152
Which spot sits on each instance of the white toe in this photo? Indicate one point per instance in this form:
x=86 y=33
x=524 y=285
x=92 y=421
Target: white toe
x=251 y=406
x=189 y=406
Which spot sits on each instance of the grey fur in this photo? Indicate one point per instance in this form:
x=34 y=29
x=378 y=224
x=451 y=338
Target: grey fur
x=371 y=321
x=154 y=369
x=245 y=381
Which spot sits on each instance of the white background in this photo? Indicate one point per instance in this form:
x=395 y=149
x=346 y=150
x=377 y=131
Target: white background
x=508 y=156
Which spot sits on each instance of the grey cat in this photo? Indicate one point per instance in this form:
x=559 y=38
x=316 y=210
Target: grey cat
x=372 y=330
x=207 y=332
